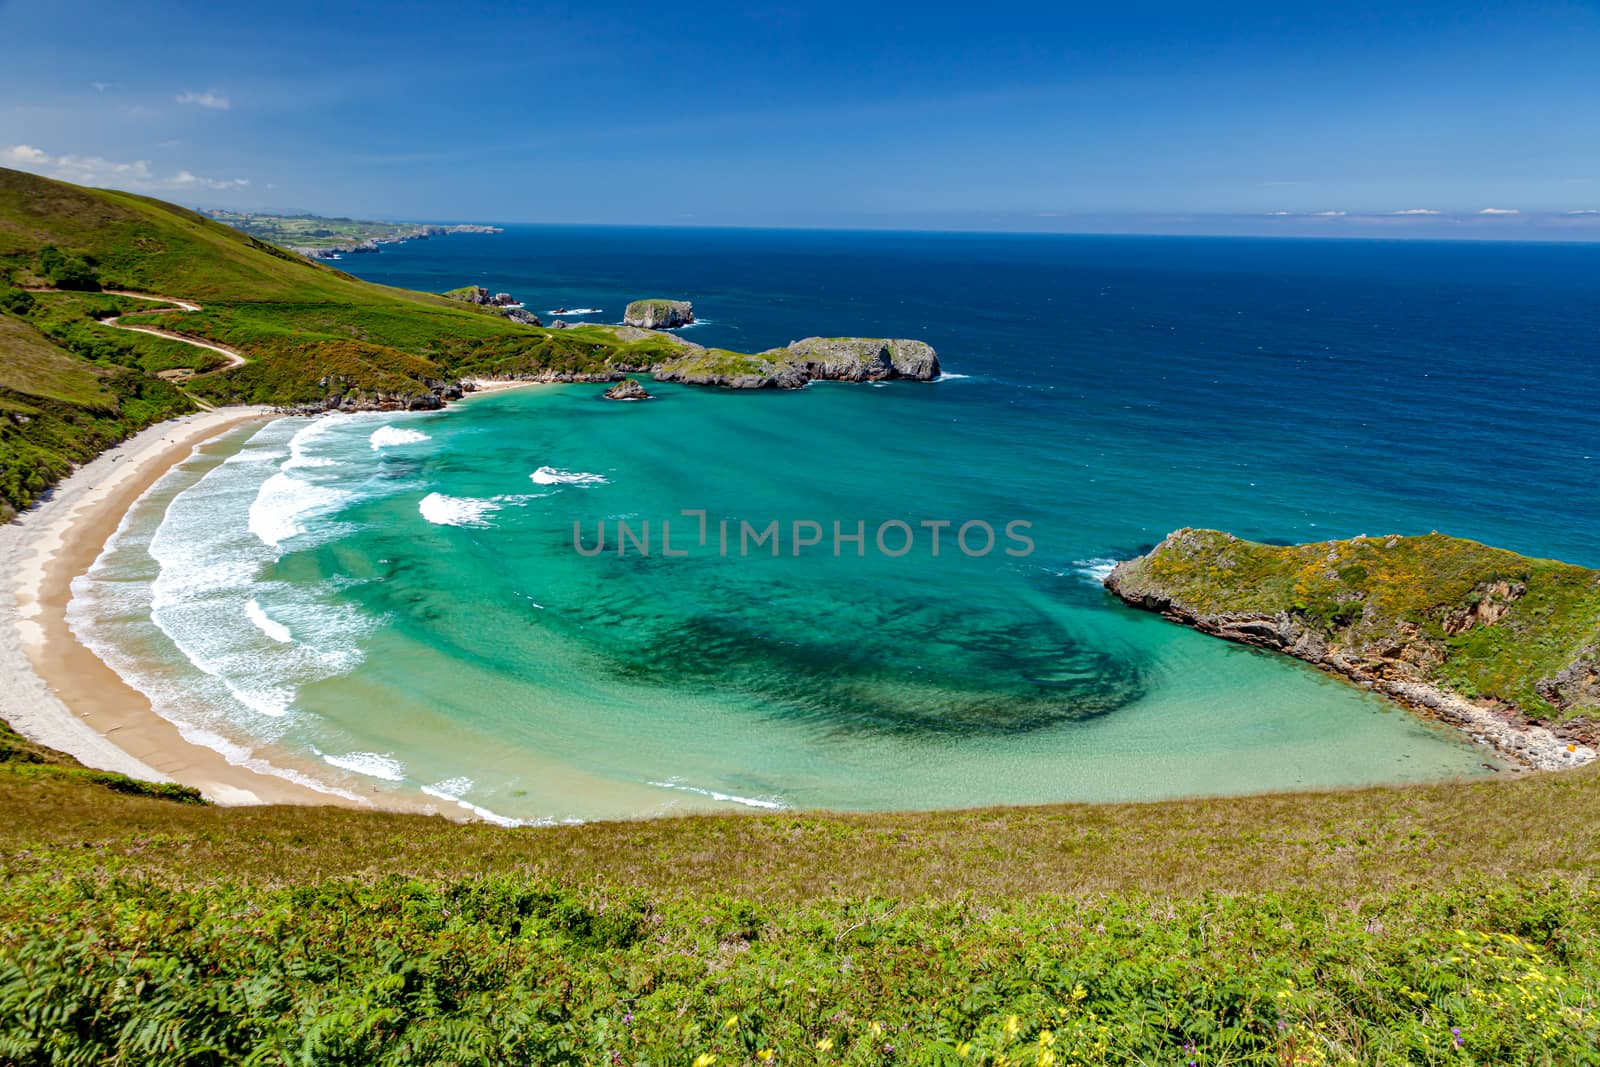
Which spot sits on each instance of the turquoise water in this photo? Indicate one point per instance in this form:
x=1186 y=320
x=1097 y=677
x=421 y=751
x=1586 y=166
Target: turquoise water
x=397 y=599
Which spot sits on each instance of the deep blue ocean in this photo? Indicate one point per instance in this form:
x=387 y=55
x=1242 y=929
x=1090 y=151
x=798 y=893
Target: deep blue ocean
x=395 y=599
x=1288 y=389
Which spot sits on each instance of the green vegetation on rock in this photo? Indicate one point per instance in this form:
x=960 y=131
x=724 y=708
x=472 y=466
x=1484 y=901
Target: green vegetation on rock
x=1484 y=622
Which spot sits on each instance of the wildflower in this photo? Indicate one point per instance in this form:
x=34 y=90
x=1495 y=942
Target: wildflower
x=1013 y=1024
x=1047 y=1058
x=705 y=1059
x=964 y=1049
x=1455 y=1035
x=1078 y=992
x=824 y=1044
x=732 y=1023
x=764 y=1055
x=876 y=1028
x=1046 y=1038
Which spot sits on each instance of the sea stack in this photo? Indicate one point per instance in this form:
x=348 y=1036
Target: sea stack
x=658 y=314
x=627 y=389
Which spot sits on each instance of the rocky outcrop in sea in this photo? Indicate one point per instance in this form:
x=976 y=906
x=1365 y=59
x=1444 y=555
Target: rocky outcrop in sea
x=627 y=389
x=658 y=314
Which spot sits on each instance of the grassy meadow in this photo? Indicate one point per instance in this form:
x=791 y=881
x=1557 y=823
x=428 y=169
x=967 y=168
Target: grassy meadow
x=1453 y=923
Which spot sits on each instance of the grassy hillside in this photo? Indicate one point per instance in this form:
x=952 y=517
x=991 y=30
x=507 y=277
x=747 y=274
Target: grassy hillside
x=70 y=387
x=58 y=409
x=1482 y=621
x=1375 y=926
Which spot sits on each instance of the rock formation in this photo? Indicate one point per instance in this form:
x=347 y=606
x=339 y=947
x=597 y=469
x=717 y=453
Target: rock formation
x=627 y=389
x=658 y=314
x=1489 y=641
x=864 y=359
x=841 y=359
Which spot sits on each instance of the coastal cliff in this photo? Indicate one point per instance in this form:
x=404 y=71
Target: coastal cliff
x=1503 y=646
x=833 y=359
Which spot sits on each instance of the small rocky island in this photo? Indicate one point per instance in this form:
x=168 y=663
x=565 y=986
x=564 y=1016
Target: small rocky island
x=658 y=314
x=596 y=352
x=1505 y=647
x=627 y=389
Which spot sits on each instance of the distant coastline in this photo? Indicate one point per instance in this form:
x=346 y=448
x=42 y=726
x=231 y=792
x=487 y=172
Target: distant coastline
x=319 y=237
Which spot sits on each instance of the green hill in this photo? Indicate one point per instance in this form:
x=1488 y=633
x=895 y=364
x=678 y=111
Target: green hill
x=1376 y=926
x=69 y=387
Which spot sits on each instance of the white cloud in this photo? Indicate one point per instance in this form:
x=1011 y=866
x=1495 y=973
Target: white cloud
x=1417 y=211
x=183 y=177
x=98 y=171
x=1500 y=211
x=99 y=87
x=211 y=98
x=1327 y=214
x=1280 y=213
x=1585 y=211
x=23 y=157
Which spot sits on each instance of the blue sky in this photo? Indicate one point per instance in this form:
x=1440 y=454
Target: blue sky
x=1145 y=117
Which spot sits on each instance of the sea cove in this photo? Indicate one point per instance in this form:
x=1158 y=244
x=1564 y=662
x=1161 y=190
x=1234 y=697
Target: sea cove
x=394 y=600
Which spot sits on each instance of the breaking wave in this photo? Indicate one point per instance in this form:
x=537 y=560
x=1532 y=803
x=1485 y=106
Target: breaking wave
x=390 y=436
x=557 y=476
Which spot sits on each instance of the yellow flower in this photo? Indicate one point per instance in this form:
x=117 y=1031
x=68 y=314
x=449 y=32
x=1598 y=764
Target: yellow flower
x=705 y=1059
x=732 y=1023
x=1078 y=992
x=964 y=1049
x=764 y=1055
x=825 y=1044
x=1047 y=1058
x=876 y=1028
x=1013 y=1024
x=1046 y=1038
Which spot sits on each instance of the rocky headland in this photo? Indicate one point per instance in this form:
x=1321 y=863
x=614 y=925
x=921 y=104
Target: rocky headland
x=828 y=359
x=503 y=304
x=369 y=245
x=1501 y=646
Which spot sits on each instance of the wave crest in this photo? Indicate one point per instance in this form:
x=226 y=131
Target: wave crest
x=557 y=476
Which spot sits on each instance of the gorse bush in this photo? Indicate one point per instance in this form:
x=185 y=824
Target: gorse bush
x=66 y=270
x=98 y=968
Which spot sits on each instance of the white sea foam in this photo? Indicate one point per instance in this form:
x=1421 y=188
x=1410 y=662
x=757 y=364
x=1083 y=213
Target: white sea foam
x=450 y=788
x=284 y=502
x=453 y=789
x=301 y=442
x=371 y=764
x=444 y=510
x=557 y=476
x=950 y=376
x=750 y=802
x=575 y=311
x=391 y=436
x=168 y=601
x=1097 y=570
x=263 y=622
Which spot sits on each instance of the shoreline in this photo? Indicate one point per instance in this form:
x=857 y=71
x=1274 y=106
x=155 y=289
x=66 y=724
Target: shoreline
x=63 y=694
x=1529 y=747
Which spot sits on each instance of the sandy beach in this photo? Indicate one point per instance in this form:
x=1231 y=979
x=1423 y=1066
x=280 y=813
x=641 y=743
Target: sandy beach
x=61 y=694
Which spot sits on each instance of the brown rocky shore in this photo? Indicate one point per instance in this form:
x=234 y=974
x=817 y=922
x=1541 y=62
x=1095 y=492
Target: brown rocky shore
x=1440 y=625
